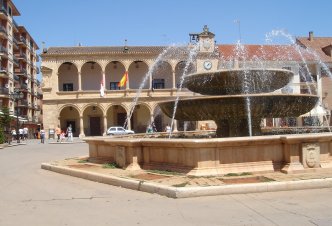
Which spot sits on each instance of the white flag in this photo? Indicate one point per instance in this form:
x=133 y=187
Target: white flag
x=102 y=90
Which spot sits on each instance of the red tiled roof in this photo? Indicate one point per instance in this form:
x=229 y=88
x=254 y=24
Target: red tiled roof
x=265 y=52
x=317 y=44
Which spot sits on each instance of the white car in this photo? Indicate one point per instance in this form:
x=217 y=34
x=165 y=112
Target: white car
x=118 y=130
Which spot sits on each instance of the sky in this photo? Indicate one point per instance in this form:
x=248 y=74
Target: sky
x=166 y=22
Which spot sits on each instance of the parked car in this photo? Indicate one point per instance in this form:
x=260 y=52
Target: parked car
x=118 y=130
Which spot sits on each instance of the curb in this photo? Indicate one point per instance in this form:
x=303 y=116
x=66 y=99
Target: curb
x=176 y=192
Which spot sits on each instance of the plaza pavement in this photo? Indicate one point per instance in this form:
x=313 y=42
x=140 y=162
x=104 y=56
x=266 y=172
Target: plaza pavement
x=30 y=195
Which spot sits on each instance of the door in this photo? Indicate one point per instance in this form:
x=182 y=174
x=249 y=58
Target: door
x=121 y=119
x=95 y=126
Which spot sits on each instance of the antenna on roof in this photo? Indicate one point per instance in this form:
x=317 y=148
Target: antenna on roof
x=238 y=22
x=44 y=48
x=125 y=48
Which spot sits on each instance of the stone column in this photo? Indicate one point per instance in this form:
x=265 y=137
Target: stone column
x=81 y=127
x=173 y=79
x=127 y=84
x=105 y=125
x=128 y=121
x=104 y=80
x=175 y=125
x=79 y=81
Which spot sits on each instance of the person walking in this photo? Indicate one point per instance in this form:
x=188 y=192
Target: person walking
x=42 y=135
x=70 y=133
x=25 y=133
x=58 y=133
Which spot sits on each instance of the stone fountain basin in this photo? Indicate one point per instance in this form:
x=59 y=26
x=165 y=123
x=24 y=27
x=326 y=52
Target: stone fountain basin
x=234 y=106
x=229 y=82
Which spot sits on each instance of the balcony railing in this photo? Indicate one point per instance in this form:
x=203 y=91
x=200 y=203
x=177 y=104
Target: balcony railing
x=4 y=11
x=3 y=29
x=16 y=61
x=24 y=86
x=3 y=50
x=4 y=91
x=14 y=23
x=23 y=103
x=16 y=78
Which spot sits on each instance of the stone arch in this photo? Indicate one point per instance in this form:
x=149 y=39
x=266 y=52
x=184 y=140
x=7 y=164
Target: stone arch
x=180 y=71
x=91 y=75
x=68 y=77
x=136 y=72
x=116 y=115
x=141 y=117
x=93 y=119
x=114 y=71
x=70 y=114
x=162 y=76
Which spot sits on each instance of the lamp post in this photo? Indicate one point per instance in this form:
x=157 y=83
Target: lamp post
x=16 y=96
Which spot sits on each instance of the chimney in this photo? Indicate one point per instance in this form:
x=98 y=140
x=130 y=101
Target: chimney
x=311 y=35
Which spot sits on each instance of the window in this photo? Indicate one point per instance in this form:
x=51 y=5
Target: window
x=68 y=87
x=10 y=11
x=114 y=86
x=158 y=83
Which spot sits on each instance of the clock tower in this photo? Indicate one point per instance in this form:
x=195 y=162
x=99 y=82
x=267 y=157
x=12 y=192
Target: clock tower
x=206 y=40
x=206 y=59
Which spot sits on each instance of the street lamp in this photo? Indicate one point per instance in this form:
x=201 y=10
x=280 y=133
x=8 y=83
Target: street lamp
x=16 y=96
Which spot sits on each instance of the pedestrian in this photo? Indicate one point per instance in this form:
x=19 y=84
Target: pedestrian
x=25 y=133
x=20 y=131
x=149 y=129
x=42 y=135
x=62 y=136
x=168 y=129
x=14 y=137
x=154 y=128
x=58 y=133
x=69 y=133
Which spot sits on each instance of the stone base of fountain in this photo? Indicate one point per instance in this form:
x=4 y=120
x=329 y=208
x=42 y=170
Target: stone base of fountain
x=217 y=156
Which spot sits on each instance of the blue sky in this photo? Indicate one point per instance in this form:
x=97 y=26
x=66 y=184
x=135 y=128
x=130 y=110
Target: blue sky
x=161 y=22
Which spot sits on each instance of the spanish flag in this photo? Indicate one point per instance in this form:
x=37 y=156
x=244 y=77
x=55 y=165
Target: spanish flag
x=123 y=80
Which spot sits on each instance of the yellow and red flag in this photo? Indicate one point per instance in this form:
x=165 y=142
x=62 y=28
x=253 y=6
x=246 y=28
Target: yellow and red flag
x=123 y=80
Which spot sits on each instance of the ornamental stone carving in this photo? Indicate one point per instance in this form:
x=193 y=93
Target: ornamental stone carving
x=311 y=155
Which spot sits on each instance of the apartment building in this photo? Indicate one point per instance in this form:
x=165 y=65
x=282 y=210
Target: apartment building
x=18 y=68
x=81 y=84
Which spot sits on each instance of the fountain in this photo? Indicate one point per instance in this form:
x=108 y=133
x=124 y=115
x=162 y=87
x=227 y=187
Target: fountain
x=237 y=100
x=227 y=105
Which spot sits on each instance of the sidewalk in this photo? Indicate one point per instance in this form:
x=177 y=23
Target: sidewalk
x=176 y=185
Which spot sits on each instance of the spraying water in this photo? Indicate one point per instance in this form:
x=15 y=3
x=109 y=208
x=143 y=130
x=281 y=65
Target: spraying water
x=147 y=76
x=192 y=53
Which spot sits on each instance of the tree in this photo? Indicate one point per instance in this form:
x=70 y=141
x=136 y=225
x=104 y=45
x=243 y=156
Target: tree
x=5 y=120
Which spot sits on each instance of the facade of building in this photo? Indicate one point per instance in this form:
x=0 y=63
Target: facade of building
x=18 y=68
x=80 y=84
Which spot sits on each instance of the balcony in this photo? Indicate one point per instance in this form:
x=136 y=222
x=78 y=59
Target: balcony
x=3 y=52
x=16 y=78
x=15 y=44
x=4 y=73
x=16 y=61
x=21 y=56
x=4 y=91
x=21 y=72
x=15 y=25
x=22 y=41
x=3 y=32
x=23 y=103
x=24 y=86
x=3 y=13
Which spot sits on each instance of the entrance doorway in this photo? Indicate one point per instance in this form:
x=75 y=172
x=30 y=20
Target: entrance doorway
x=95 y=126
x=121 y=119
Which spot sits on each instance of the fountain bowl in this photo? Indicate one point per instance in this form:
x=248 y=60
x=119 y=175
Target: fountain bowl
x=235 y=81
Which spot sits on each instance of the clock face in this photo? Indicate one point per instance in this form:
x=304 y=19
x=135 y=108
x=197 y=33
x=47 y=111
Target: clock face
x=207 y=65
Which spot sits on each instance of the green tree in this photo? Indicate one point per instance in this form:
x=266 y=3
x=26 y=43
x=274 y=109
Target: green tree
x=5 y=120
